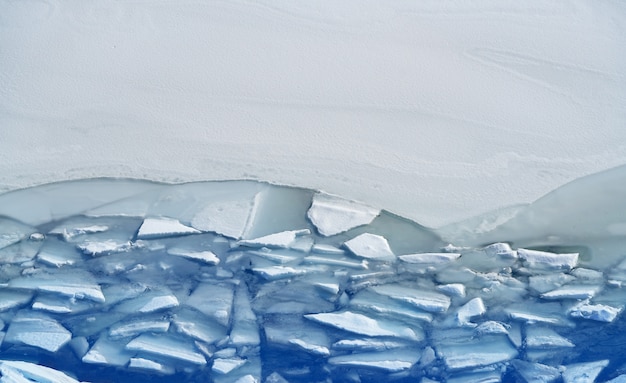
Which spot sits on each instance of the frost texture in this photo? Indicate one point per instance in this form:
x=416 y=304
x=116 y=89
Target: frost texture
x=285 y=289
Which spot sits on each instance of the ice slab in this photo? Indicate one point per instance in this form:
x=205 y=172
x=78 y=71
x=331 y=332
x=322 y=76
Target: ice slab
x=149 y=302
x=543 y=337
x=245 y=330
x=596 y=312
x=12 y=231
x=548 y=260
x=35 y=372
x=548 y=282
x=583 y=372
x=10 y=298
x=76 y=283
x=166 y=347
x=97 y=248
x=333 y=215
x=283 y=239
x=197 y=326
x=215 y=301
x=473 y=308
x=37 y=331
x=137 y=327
x=163 y=227
x=229 y=215
x=426 y=300
x=390 y=361
x=535 y=372
x=364 y=325
x=273 y=273
x=147 y=365
x=296 y=333
x=429 y=258
x=224 y=366
x=474 y=353
x=370 y=246
x=500 y=249
x=207 y=257
x=453 y=289
x=571 y=292
x=108 y=352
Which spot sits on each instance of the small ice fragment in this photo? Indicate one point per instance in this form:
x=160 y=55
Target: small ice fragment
x=247 y=379
x=597 y=312
x=37 y=372
x=367 y=344
x=370 y=301
x=547 y=260
x=332 y=288
x=275 y=377
x=311 y=348
x=364 y=325
x=490 y=327
x=37 y=331
x=571 y=292
x=225 y=366
x=195 y=325
x=475 y=353
x=148 y=303
x=389 y=361
x=471 y=309
x=206 y=256
x=141 y=364
x=426 y=300
x=333 y=215
x=583 y=372
x=283 y=239
x=587 y=274
x=370 y=246
x=215 y=301
x=429 y=258
x=68 y=235
x=167 y=348
x=453 y=289
x=37 y=237
x=543 y=337
x=327 y=249
x=163 y=227
x=334 y=261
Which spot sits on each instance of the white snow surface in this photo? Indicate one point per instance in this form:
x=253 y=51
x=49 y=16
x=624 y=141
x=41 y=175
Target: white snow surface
x=437 y=111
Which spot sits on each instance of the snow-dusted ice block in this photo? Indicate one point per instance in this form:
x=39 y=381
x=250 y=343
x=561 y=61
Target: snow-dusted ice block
x=391 y=361
x=429 y=258
x=597 y=312
x=224 y=366
x=147 y=365
x=14 y=298
x=34 y=372
x=215 y=301
x=37 y=331
x=583 y=372
x=108 y=352
x=207 y=256
x=283 y=239
x=426 y=300
x=77 y=284
x=371 y=246
x=547 y=260
x=472 y=354
x=543 y=337
x=333 y=215
x=571 y=292
x=535 y=372
x=166 y=347
x=364 y=325
x=163 y=227
x=473 y=308
x=12 y=232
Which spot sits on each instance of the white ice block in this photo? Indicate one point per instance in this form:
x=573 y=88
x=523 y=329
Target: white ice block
x=544 y=283
x=389 y=361
x=37 y=331
x=224 y=366
x=429 y=258
x=535 y=372
x=477 y=353
x=166 y=347
x=426 y=300
x=364 y=325
x=583 y=372
x=37 y=372
x=333 y=215
x=284 y=239
x=163 y=227
x=571 y=292
x=149 y=302
x=596 y=312
x=215 y=301
x=97 y=248
x=131 y=329
x=245 y=330
x=370 y=246
x=207 y=257
x=13 y=298
x=108 y=352
x=272 y=273
x=547 y=260
x=543 y=337
x=196 y=326
x=150 y=366
x=473 y=308
x=453 y=289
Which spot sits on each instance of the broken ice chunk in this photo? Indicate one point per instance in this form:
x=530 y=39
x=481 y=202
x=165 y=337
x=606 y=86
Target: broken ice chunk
x=149 y=302
x=334 y=261
x=471 y=309
x=147 y=365
x=370 y=246
x=327 y=249
x=245 y=330
x=501 y=249
x=364 y=325
x=294 y=331
x=471 y=353
x=225 y=366
x=283 y=239
x=426 y=300
x=367 y=300
x=136 y=327
x=367 y=344
x=389 y=361
x=206 y=256
x=13 y=298
x=12 y=231
x=273 y=273
x=597 y=312
x=587 y=274
x=549 y=313
x=490 y=327
x=97 y=248
x=547 y=260
x=453 y=289
x=333 y=215
x=197 y=326
x=583 y=372
x=37 y=372
x=108 y=352
x=429 y=258
x=213 y=300
x=228 y=217
x=37 y=331
x=163 y=227
x=543 y=337
x=60 y=304
x=535 y=372
x=75 y=283
x=545 y=283
x=68 y=233
x=571 y=292
x=166 y=347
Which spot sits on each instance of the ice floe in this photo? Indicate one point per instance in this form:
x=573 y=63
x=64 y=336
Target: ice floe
x=333 y=215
